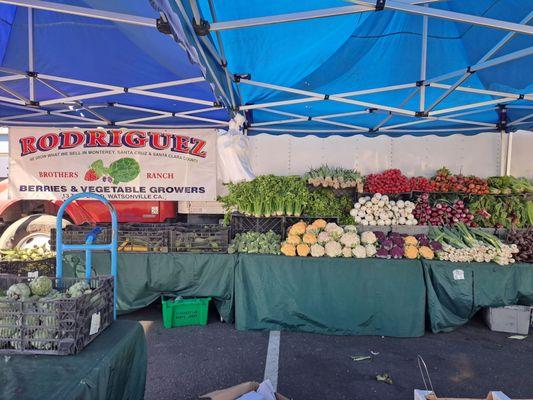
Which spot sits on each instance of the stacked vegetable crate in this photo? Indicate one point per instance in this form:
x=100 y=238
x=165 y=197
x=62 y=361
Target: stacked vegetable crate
x=131 y=237
x=58 y=326
x=45 y=266
x=199 y=238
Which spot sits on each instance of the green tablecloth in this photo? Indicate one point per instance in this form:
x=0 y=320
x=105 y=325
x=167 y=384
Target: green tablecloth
x=143 y=276
x=453 y=298
x=334 y=296
x=112 y=367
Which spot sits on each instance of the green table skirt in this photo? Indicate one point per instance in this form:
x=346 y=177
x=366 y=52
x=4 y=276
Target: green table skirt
x=112 y=367
x=142 y=277
x=333 y=296
x=456 y=291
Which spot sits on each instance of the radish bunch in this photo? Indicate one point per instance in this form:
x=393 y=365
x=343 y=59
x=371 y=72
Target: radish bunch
x=442 y=213
x=388 y=182
x=379 y=210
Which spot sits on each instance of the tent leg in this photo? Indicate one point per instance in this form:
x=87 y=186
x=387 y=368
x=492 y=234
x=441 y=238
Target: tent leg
x=509 y=153
x=31 y=64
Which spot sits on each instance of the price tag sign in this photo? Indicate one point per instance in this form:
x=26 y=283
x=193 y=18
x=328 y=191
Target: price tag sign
x=33 y=275
x=95 y=323
x=458 y=274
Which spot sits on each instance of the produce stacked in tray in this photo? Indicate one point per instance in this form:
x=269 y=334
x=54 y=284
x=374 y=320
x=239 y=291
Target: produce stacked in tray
x=256 y=242
x=397 y=245
x=463 y=244
x=52 y=316
x=22 y=261
x=320 y=239
x=379 y=210
x=336 y=178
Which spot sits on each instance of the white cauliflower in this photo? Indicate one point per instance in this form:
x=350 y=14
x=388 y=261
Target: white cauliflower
x=333 y=249
x=359 y=251
x=317 y=250
x=323 y=237
x=334 y=230
x=370 y=250
x=368 y=237
x=350 y=239
x=347 y=252
x=350 y=228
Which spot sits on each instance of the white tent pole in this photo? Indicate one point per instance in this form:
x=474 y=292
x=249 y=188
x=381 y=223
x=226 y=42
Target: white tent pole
x=31 y=64
x=330 y=97
x=13 y=93
x=423 y=62
x=170 y=97
x=11 y=78
x=169 y=115
x=298 y=16
x=80 y=97
x=79 y=82
x=505 y=39
x=472 y=105
x=79 y=104
x=345 y=114
x=170 y=83
x=277 y=122
x=485 y=64
x=376 y=90
x=448 y=92
x=313 y=99
x=76 y=117
x=21 y=116
x=509 y=153
x=336 y=131
x=11 y=100
x=299 y=118
x=487 y=56
x=517 y=121
x=151 y=110
x=200 y=49
x=452 y=16
x=224 y=63
x=480 y=91
x=403 y=103
x=83 y=12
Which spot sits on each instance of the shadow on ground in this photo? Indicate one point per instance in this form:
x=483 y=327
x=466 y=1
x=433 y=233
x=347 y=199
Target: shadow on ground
x=184 y=363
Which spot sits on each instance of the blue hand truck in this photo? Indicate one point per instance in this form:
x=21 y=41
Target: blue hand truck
x=89 y=245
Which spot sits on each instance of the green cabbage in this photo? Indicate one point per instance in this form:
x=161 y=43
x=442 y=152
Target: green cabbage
x=41 y=286
x=19 y=291
x=124 y=170
x=78 y=289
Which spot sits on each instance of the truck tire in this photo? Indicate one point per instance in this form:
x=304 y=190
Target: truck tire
x=33 y=230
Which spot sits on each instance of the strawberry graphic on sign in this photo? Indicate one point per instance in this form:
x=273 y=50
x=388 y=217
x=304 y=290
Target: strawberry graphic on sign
x=122 y=170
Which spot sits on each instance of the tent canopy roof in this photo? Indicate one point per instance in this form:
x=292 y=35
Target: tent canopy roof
x=415 y=67
x=61 y=69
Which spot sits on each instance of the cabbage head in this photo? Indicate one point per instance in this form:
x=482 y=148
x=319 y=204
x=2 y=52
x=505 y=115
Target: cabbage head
x=124 y=170
x=19 y=291
x=41 y=286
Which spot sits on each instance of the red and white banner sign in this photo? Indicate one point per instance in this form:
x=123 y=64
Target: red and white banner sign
x=119 y=164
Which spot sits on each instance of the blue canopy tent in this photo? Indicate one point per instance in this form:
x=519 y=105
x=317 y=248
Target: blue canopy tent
x=391 y=67
x=95 y=63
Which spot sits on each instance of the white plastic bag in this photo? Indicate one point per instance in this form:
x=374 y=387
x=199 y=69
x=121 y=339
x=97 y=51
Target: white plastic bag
x=232 y=147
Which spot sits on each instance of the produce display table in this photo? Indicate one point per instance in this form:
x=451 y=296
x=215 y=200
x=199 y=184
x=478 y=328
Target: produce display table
x=142 y=277
x=112 y=367
x=454 y=297
x=332 y=296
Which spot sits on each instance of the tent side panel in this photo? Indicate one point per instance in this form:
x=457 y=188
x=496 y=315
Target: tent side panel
x=478 y=155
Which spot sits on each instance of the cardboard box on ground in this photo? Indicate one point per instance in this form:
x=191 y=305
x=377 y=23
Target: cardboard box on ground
x=235 y=392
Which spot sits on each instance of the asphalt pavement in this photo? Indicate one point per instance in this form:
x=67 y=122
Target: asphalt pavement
x=184 y=363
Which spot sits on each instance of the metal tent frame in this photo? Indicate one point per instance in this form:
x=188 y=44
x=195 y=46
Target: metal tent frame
x=425 y=112
x=71 y=109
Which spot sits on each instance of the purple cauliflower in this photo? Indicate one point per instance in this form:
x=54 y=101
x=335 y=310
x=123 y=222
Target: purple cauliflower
x=382 y=253
x=398 y=241
x=380 y=235
x=387 y=244
x=396 y=252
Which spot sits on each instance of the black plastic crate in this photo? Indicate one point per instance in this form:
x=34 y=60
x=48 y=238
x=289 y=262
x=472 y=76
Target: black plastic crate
x=131 y=236
x=54 y=327
x=242 y=223
x=211 y=238
x=77 y=234
x=144 y=237
x=46 y=267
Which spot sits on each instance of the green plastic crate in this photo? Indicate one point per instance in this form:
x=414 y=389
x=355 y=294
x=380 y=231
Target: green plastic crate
x=184 y=312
